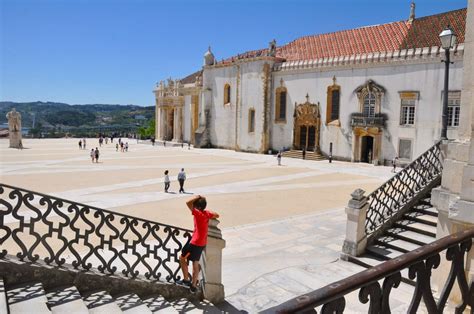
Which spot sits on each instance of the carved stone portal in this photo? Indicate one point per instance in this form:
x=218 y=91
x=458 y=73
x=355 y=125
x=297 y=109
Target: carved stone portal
x=307 y=126
x=14 y=128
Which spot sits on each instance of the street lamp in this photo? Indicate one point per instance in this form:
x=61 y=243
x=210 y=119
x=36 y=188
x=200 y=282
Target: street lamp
x=448 y=40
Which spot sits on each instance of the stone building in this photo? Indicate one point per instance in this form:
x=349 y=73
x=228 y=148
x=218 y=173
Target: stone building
x=370 y=93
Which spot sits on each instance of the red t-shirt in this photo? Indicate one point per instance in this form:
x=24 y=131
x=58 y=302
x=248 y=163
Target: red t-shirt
x=201 y=221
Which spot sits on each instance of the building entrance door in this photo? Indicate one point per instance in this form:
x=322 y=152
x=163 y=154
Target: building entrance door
x=303 y=134
x=366 y=149
x=306 y=127
x=170 y=125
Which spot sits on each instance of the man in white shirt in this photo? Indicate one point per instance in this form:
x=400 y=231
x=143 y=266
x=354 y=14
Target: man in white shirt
x=181 y=179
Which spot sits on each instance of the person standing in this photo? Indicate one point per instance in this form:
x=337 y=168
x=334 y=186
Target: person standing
x=166 y=181
x=181 y=179
x=96 y=153
x=92 y=154
x=304 y=153
x=279 y=158
x=192 y=250
x=126 y=147
x=84 y=143
x=80 y=144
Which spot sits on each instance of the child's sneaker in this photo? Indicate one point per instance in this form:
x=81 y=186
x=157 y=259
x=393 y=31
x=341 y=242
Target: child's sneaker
x=193 y=289
x=184 y=283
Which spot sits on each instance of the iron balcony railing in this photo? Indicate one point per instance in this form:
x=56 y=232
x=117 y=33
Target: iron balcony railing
x=361 y=120
x=420 y=263
x=36 y=226
x=397 y=194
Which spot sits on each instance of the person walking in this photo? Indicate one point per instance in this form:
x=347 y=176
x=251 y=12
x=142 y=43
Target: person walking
x=166 y=181
x=304 y=153
x=116 y=147
x=192 y=250
x=279 y=158
x=126 y=147
x=394 y=164
x=84 y=143
x=80 y=144
x=92 y=154
x=96 y=153
x=181 y=179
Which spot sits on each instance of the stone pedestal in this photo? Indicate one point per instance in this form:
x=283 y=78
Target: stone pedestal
x=15 y=139
x=356 y=239
x=213 y=289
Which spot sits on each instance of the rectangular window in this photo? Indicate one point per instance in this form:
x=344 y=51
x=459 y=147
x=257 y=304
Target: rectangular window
x=282 y=113
x=335 y=105
x=251 y=120
x=454 y=108
x=407 y=112
x=404 y=149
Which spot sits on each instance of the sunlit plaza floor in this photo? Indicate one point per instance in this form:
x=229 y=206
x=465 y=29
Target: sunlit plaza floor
x=277 y=220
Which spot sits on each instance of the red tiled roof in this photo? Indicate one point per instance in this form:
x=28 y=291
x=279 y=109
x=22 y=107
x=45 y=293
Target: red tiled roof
x=191 y=78
x=423 y=32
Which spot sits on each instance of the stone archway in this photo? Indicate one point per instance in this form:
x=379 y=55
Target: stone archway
x=307 y=122
x=367 y=145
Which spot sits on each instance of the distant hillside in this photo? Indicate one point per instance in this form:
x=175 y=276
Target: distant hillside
x=60 y=115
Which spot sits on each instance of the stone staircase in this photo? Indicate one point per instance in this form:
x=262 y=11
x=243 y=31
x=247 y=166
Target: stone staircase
x=299 y=154
x=414 y=229
x=32 y=298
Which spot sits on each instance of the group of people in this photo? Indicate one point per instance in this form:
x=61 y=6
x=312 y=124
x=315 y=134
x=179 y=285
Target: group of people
x=181 y=179
x=123 y=146
x=82 y=144
x=95 y=155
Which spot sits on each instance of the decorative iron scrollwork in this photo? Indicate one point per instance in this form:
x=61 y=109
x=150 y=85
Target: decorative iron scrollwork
x=391 y=196
x=36 y=226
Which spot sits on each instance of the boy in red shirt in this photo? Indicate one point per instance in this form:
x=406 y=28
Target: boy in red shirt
x=192 y=250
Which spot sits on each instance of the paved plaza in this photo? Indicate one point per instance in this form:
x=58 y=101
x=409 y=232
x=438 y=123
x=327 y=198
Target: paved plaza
x=284 y=225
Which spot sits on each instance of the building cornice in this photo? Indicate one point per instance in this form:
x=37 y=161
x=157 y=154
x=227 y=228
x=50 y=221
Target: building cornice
x=244 y=60
x=405 y=56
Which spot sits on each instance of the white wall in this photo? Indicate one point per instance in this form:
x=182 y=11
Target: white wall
x=425 y=78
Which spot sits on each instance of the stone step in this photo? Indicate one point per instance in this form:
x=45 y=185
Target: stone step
x=421 y=218
x=382 y=252
x=187 y=306
x=27 y=298
x=409 y=236
x=101 y=303
x=132 y=304
x=66 y=300
x=299 y=154
x=160 y=305
x=397 y=244
x=428 y=211
x=417 y=227
x=3 y=298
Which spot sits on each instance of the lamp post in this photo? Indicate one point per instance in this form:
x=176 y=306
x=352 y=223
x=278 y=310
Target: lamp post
x=448 y=40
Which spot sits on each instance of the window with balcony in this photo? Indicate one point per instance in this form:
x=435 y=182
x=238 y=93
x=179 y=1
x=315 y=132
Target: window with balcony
x=369 y=105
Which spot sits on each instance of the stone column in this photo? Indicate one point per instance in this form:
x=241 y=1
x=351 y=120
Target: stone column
x=162 y=126
x=354 y=147
x=356 y=239
x=213 y=288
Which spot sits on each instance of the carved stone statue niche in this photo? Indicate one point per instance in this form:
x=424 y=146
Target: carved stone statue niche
x=14 y=128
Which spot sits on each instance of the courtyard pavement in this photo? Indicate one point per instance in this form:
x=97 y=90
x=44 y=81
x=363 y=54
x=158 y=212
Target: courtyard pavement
x=284 y=226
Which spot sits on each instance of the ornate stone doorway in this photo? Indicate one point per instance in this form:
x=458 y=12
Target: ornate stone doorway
x=307 y=121
x=367 y=149
x=170 y=125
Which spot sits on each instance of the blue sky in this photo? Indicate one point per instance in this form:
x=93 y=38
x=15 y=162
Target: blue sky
x=114 y=51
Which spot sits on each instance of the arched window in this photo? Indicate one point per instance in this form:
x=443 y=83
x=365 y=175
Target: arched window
x=280 y=104
x=369 y=105
x=226 y=94
x=333 y=102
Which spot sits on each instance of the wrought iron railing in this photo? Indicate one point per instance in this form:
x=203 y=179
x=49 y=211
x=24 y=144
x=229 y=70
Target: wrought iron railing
x=36 y=226
x=401 y=190
x=359 y=119
x=420 y=263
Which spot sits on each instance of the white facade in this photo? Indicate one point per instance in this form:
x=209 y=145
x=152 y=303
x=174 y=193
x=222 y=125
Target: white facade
x=227 y=94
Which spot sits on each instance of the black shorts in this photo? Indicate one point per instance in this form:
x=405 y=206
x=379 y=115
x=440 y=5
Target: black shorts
x=192 y=252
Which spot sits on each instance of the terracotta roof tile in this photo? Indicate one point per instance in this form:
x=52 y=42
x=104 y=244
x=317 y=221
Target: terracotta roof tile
x=423 y=32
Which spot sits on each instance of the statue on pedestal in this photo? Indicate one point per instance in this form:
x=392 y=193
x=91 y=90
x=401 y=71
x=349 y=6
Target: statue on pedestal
x=14 y=128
